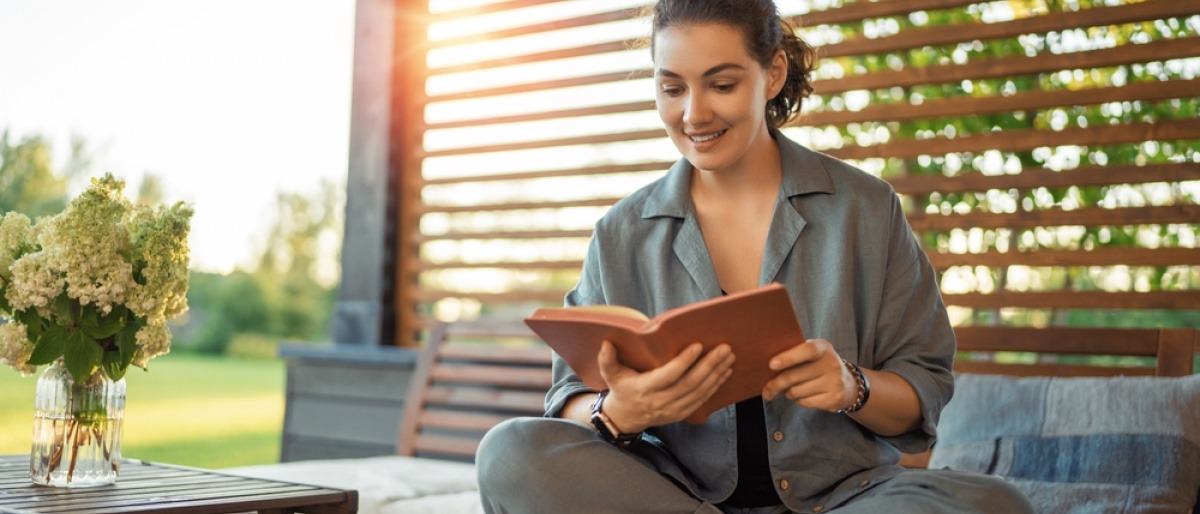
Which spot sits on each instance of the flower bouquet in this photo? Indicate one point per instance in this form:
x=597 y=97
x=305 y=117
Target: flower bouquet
x=88 y=291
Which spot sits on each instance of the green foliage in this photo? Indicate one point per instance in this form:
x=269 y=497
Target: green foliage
x=1034 y=45
x=285 y=297
x=28 y=183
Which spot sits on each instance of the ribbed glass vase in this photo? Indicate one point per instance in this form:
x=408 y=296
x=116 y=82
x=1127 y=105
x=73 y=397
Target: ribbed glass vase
x=76 y=429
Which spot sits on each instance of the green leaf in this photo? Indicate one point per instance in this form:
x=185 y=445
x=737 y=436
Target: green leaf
x=62 y=309
x=127 y=342
x=100 y=327
x=113 y=366
x=33 y=323
x=83 y=355
x=50 y=346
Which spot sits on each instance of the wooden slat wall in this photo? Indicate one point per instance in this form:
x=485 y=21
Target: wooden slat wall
x=1043 y=147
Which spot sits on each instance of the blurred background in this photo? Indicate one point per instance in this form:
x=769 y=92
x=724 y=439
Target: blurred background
x=241 y=109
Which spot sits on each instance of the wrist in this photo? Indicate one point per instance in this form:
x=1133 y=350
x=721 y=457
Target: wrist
x=862 y=391
x=606 y=427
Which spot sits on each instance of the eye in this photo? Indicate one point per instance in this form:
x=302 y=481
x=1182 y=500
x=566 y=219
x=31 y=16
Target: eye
x=724 y=88
x=671 y=91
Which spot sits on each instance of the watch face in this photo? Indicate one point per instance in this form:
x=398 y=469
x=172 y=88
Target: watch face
x=602 y=428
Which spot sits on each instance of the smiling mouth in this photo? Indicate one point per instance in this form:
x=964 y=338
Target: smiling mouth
x=708 y=137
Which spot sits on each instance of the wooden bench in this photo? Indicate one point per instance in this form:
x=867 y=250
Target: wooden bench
x=470 y=379
x=467 y=380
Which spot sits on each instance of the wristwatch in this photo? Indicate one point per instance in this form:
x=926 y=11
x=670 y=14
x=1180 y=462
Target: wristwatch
x=605 y=427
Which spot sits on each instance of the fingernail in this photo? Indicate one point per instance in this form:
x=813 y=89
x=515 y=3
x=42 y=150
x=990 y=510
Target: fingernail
x=775 y=364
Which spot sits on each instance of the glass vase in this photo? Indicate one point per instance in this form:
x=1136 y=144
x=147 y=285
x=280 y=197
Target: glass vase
x=76 y=429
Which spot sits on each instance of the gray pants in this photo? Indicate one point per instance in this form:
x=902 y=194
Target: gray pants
x=538 y=465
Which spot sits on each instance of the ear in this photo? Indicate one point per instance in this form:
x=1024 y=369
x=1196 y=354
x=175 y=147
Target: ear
x=777 y=74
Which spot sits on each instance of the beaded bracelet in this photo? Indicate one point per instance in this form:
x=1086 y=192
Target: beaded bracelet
x=864 y=388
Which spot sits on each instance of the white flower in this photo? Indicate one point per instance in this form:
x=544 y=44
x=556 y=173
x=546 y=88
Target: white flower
x=102 y=252
x=152 y=340
x=15 y=347
x=35 y=282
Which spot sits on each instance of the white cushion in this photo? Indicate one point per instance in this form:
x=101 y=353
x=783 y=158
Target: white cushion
x=384 y=484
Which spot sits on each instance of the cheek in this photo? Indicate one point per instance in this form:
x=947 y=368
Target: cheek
x=668 y=110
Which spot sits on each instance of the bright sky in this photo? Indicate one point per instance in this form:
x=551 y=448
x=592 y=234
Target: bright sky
x=229 y=101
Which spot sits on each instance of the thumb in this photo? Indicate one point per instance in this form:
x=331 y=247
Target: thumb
x=610 y=367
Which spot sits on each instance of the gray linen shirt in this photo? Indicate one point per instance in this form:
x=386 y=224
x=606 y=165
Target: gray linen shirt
x=840 y=244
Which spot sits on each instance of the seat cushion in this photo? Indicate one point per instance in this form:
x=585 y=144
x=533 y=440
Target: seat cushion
x=384 y=483
x=1079 y=445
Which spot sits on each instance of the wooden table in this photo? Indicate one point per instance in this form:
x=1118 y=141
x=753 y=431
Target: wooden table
x=151 y=487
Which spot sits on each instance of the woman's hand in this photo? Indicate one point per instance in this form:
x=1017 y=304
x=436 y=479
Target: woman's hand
x=813 y=376
x=637 y=401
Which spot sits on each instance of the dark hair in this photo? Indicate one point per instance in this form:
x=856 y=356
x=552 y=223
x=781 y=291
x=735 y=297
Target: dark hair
x=765 y=32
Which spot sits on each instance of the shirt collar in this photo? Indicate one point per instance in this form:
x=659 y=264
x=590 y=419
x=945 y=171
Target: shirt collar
x=803 y=173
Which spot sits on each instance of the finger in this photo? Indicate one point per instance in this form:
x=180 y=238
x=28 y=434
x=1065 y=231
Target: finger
x=808 y=351
x=701 y=394
x=790 y=377
x=813 y=396
x=716 y=361
x=675 y=368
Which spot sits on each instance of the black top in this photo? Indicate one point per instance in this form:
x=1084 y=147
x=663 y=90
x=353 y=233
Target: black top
x=755 y=488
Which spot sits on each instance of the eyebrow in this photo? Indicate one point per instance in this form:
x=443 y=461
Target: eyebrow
x=710 y=72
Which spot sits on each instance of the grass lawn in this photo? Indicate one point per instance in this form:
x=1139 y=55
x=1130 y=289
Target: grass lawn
x=209 y=412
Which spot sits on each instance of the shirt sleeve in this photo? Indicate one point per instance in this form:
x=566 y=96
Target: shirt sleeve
x=589 y=291
x=915 y=340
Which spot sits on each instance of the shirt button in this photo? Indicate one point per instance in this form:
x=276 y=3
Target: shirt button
x=783 y=484
x=818 y=508
x=778 y=435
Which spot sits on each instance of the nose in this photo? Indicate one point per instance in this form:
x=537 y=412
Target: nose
x=696 y=111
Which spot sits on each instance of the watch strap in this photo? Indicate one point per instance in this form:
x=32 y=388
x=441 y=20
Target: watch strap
x=605 y=427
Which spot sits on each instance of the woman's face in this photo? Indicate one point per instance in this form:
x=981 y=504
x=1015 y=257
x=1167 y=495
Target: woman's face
x=711 y=94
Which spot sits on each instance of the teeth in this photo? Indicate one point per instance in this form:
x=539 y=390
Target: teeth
x=701 y=139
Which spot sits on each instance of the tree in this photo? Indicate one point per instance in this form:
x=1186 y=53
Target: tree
x=28 y=183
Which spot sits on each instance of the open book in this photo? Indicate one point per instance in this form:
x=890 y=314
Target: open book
x=757 y=324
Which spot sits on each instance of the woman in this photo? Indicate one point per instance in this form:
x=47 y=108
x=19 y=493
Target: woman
x=745 y=207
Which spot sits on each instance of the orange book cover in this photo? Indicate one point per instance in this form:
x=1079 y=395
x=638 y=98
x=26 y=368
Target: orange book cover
x=757 y=324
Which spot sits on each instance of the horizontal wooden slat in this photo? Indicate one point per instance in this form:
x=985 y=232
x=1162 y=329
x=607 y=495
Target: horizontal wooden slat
x=1035 y=177
x=520 y=234
x=515 y=206
x=464 y=375
x=1058 y=370
x=1183 y=300
x=567 y=23
x=548 y=55
x=1087 y=216
x=462 y=447
x=562 y=172
x=1080 y=257
x=643 y=105
x=538 y=354
x=586 y=80
x=495 y=7
x=567 y=141
x=975 y=69
x=858 y=11
x=532 y=265
x=1057 y=21
x=493 y=399
x=979 y=105
x=1060 y=340
x=543 y=296
x=1020 y=140
x=465 y=421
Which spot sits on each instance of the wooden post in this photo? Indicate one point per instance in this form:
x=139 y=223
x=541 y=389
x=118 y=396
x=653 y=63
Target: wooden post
x=362 y=300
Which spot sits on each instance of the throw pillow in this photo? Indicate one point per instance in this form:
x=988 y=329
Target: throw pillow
x=1079 y=445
